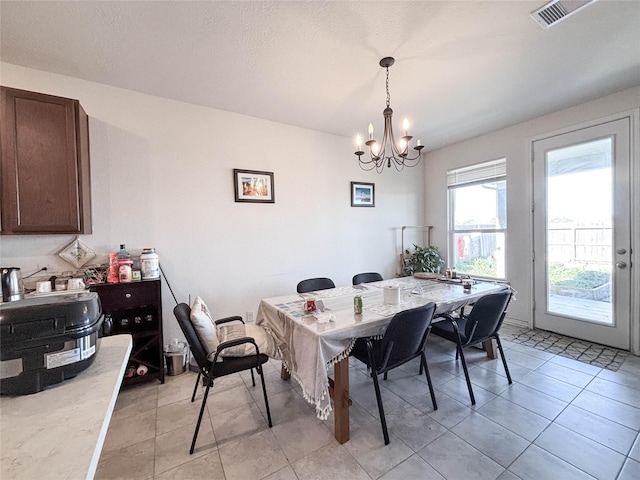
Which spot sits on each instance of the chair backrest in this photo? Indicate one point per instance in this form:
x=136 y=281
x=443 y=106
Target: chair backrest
x=408 y=331
x=313 y=284
x=366 y=278
x=487 y=315
x=182 y=312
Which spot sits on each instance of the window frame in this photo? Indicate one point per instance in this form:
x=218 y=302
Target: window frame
x=481 y=173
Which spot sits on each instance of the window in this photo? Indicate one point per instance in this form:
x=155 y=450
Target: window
x=478 y=219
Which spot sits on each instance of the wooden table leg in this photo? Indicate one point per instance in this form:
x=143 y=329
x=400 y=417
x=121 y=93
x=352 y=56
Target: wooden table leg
x=491 y=347
x=341 y=400
x=284 y=375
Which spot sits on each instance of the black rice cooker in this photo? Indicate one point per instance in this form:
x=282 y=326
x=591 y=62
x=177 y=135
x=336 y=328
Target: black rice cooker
x=47 y=339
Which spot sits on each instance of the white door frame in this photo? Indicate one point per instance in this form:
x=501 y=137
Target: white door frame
x=634 y=120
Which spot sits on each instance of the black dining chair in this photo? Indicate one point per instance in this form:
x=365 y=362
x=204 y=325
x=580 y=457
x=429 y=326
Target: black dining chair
x=481 y=324
x=313 y=284
x=366 y=278
x=405 y=339
x=219 y=366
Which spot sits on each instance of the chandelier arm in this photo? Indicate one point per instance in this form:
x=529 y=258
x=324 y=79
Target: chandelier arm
x=366 y=166
x=367 y=162
x=385 y=139
x=374 y=162
x=405 y=161
x=411 y=159
x=392 y=138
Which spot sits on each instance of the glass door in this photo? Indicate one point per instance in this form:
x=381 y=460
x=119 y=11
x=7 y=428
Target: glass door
x=582 y=233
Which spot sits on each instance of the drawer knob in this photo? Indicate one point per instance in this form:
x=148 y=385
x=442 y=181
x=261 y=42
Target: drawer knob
x=127 y=295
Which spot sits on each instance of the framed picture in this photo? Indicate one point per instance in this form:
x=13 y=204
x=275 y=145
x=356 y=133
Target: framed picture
x=253 y=186
x=363 y=194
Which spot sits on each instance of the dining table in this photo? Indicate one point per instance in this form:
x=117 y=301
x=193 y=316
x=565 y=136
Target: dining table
x=310 y=343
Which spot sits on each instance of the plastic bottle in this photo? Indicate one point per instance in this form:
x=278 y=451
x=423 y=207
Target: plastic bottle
x=122 y=253
x=149 y=264
x=124 y=265
x=113 y=272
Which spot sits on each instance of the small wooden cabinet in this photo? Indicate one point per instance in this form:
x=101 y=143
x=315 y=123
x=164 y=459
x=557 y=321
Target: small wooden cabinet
x=45 y=178
x=136 y=308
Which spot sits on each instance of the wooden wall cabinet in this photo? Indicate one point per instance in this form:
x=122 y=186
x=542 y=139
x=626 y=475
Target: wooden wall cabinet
x=45 y=178
x=136 y=309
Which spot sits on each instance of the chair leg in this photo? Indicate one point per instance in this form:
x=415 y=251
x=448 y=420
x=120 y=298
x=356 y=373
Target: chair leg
x=466 y=374
x=195 y=389
x=423 y=361
x=264 y=391
x=383 y=420
x=253 y=380
x=385 y=375
x=204 y=404
x=504 y=360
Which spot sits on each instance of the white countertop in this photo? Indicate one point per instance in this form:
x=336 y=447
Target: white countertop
x=58 y=433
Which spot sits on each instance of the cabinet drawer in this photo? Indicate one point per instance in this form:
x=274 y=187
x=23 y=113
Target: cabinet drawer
x=128 y=295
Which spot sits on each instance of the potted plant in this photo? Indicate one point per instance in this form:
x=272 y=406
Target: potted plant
x=422 y=259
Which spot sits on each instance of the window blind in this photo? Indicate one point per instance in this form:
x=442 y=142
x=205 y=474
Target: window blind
x=480 y=172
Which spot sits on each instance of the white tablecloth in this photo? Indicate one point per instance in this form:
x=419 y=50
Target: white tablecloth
x=310 y=346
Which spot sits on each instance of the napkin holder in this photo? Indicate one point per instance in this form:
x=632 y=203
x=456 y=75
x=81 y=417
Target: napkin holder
x=391 y=295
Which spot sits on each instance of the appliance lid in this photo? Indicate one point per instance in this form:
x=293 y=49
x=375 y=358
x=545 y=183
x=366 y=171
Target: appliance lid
x=63 y=313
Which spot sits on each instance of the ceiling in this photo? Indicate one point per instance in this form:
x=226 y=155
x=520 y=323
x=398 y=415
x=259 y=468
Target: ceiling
x=462 y=68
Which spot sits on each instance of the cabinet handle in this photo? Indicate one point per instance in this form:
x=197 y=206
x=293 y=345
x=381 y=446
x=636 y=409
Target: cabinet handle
x=127 y=295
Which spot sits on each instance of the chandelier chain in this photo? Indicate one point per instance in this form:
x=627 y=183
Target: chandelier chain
x=388 y=96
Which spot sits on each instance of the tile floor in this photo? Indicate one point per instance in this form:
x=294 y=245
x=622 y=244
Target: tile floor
x=560 y=419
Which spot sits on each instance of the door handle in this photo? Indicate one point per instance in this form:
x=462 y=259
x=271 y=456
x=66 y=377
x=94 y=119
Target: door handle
x=621 y=265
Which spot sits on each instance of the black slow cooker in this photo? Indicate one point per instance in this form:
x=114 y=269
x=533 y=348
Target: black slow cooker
x=47 y=339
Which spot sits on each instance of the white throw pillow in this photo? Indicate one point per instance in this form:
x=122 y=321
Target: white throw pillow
x=204 y=326
x=265 y=342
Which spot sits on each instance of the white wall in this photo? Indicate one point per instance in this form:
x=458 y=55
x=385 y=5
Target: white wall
x=161 y=175
x=514 y=143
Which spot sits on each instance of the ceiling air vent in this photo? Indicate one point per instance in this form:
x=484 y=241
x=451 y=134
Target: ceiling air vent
x=557 y=10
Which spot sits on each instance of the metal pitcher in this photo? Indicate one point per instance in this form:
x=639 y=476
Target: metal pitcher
x=12 y=286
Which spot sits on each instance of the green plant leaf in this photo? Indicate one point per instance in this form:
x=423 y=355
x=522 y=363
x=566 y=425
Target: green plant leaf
x=423 y=259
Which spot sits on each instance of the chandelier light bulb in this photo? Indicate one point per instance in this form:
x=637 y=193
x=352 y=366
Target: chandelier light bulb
x=375 y=148
x=359 y=142
x=371 y=131
x=405 y=126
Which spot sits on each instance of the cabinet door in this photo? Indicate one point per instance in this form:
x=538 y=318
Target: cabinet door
x=45 y=164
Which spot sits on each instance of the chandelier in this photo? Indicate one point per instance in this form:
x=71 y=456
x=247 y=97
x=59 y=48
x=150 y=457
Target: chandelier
x=388 y=152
